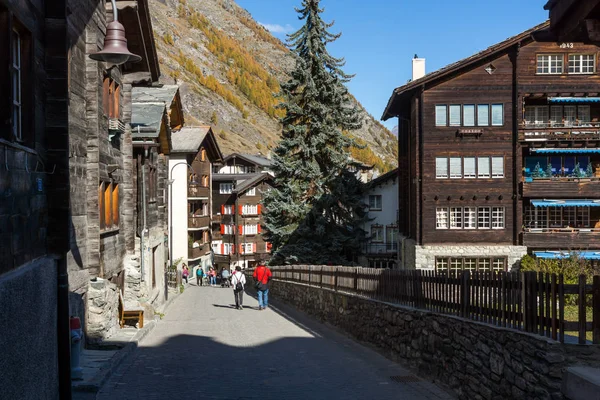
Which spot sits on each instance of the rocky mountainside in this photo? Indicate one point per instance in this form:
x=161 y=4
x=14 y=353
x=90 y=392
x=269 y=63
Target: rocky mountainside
x=229 y=68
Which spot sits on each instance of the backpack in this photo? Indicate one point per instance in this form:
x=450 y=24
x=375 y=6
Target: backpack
x=199 y=272
x=238 y=286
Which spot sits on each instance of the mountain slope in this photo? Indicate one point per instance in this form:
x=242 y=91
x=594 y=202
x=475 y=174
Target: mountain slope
x=229 y=68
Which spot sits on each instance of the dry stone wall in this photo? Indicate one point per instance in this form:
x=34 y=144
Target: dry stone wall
x=476 y=360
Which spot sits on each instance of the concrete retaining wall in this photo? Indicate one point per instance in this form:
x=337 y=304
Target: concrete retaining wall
x=477 y=361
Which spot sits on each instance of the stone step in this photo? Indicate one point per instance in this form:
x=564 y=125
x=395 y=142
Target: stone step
x=581 y=383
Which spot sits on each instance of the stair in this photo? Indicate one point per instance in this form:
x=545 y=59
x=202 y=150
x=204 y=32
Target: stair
x=581 y=383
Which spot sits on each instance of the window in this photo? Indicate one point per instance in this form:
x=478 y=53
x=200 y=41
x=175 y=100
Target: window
x=469 y=115
x=483 y=115
x=455 y=167
x=441 y=218
x=391 y=237
x=483 y=265
x=550 y=64
x=497 y=114
x=205 y=180
x=247 y=248
x=441 y=167
x=470 y=216
x=227 y=247
x=111 y=98
x=375 y=202
x=441 y=115
x=470 y=264
x=469 y=168
x=376 y=233
x=455 y=115
x=250 y=229
x=441 y=265
x=249 y=209
x=456 y=265
x=226 y=188
x=536 y=115
x=203 y=154
x=152 y=183
x=583 y=114
x=483 y=218
x=456 y=221
x=570 y=115
x=251 y=192
x=227 y=229
x=108 y=202
x=498 y=264
x=497 y=167
x=228 y=209
x=497 y=217
x=582 y=63
x=483 y=167
x=556 y=115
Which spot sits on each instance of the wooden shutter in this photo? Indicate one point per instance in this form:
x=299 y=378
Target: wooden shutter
x=242 y=249
x=117 y=101
x=259 y=209
x=115 y=204
x=254 y=247
x=258 y=229
x=107 y=205
x=101 y=205
x=105 y=96
x=241 y=229
x=222 y=229
x=222 y=247
x=222 y=209
x=241 y=210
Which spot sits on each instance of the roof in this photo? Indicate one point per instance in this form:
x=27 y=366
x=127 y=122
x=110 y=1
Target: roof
x=254 y=159
x=165 y=94
x=442 y=73
x=233 y=177
x=393 y=174
x=251 y=182
x=146 y=119
x=189 y=139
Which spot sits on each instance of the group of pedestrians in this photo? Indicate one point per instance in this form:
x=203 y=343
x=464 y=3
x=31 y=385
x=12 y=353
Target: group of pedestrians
x=262 y=276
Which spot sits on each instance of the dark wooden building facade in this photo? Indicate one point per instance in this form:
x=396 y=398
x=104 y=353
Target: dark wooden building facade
x=491 y=151
x=239 y=184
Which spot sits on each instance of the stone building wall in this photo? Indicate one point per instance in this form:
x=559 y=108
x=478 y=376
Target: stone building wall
x=477 y=361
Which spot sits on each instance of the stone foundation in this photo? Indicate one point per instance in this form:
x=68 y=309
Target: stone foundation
x=477 y=361
x=423 y=257
x=103 y=310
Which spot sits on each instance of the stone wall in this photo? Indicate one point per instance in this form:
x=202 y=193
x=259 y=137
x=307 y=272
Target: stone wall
x=423 y=257
x=28 y=312
x=103 y=310
x=477 y=361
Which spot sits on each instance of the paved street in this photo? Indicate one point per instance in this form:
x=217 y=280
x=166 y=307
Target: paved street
x=205 y=349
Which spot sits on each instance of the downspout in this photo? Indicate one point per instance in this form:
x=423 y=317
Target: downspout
x=143 y=255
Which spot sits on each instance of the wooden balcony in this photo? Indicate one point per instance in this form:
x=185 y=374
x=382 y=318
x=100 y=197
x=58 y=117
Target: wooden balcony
x=197 y=252
x=196 y=190
x=562 y=239
x=381 y=248
x=558 y=132
x=199 y=222
x=561 y=187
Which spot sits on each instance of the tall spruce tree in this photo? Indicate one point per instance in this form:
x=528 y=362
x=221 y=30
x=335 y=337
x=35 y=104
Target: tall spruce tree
x=315 y=212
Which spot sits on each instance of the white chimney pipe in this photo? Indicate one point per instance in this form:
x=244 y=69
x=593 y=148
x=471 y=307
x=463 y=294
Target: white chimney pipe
x=418 y=68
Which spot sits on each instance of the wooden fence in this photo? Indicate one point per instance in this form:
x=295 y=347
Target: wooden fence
x=527 y=301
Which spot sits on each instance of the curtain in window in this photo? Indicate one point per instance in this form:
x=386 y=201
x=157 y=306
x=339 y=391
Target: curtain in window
x=455 y=115
x=455 y=167
x=469 y=167
x=469 y=115
x=497 y=114
x=483 y=167
x=483 y=115
x=441 y=167
x=441 y=118
x=497 y=167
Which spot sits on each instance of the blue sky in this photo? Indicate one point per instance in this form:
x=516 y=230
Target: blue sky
x=380 y=37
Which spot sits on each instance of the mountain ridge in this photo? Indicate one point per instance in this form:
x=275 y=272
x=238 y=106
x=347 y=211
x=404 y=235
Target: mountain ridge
x=228 y=67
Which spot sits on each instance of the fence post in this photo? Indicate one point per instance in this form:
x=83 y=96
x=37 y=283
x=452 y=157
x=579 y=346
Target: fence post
x=524 y=301
x=582 y=310
x=321 y=277
x=335 y=278
x=596 y=310
x=465 y=295
x=356 y=280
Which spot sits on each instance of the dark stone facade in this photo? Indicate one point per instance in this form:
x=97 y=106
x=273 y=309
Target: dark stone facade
x=477 y=361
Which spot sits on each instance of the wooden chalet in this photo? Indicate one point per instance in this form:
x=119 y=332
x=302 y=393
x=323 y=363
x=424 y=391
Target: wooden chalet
x=239 y=184
x=499 y=155
x=572 y=21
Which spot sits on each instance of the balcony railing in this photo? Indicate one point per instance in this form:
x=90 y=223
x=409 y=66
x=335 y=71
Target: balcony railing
x=561 y=238
x=197 y=252
x=559 y=131
x=197 y=190
x=198 y=222
x=381 y=248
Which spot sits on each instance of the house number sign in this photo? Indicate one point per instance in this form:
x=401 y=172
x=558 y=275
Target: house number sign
x=566 y=45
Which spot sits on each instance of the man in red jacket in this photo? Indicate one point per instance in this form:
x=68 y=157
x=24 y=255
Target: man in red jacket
x=262 y=276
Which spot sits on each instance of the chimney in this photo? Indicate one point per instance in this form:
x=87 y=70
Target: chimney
x=418 y=68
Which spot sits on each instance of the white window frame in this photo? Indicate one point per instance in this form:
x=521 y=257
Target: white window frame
x=468 y=115
x=441 y=115
x=17 y=101
x=537 y=115
x=494 y=107
x=249 y=209
x=441 y=218
x=484 y=218
x=483 y=168
x=226 y=188
x=458 y=109
x=247 y=248
x=456 y=218
x=498 y=217
x=497 y=167
x=228 y=209
x=228 y=229
x=551 y=64
x=441 y=167
x=584 y=117
x=486 y=115
x=576 y=62
x=373 y=200
x=377 y=233
x=227 y=248
x=250 y=229
x=470 y=217
x=455 y=167
x=251 y=192
x=469 y=167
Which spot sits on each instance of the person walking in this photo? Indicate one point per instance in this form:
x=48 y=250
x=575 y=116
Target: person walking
x=185 y=272
x=199 y=276
x=262 y=276
x=238 y=280
x=213 y=276
x=225 y=277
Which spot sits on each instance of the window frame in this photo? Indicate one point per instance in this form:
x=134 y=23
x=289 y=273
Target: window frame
x=560 y=57
x=447 y=169
x=487 y=121
x=580 y=72
x=484 y=214
x=494 y=174
x=469 y=175
x=438 y=107
x=480 y=169
x=473 y=108
x=498 y=218
x=442 y=212
x=492 y=106
x=109 y=206
x=225 y=188
x=251 y=192
x=448 y=264
x=375 y=197
x=377 y=233
x=454 y=106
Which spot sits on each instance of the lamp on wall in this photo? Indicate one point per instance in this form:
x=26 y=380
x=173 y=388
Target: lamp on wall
x=115 y=44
